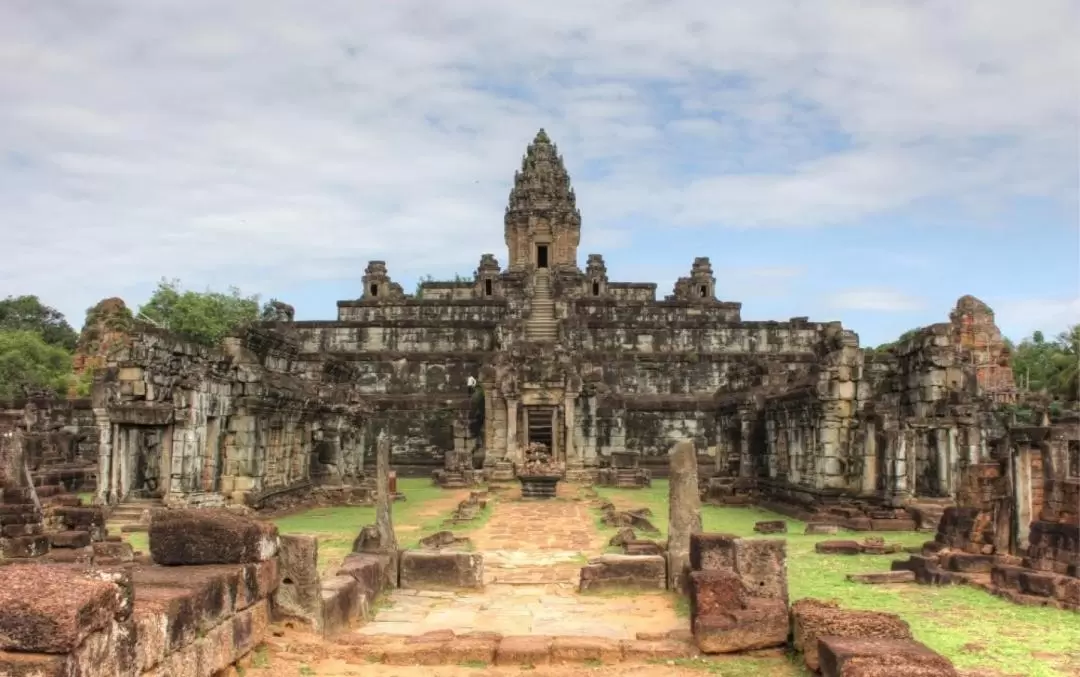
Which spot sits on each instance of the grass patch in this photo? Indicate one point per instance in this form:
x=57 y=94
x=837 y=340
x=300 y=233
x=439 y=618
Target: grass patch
x=480 y=665
x=414 y=518
x=972 y=628
x=87 y=498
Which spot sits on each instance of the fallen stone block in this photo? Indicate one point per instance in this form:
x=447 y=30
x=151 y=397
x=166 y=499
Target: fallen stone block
x=967 y=563
x=369 y=570
x=643 y=548
x=16 y=530
x=838 y=548
x=441 y=570
x=813 y=619
x=52 y=608
x=883 y=577
x=647 y=572
x=1041 y=583
x=106 y=552
x=24 y=547
x=13 y=664
x=880 y=657
x=771 y=527
x=625 y=535
x=210 y=536
x=816 y=529
x=762 y=624
x=69 y=539
x=893 y=525
x=471 y=649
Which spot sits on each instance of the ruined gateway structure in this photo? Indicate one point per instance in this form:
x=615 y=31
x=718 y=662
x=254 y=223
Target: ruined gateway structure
x=794 y=413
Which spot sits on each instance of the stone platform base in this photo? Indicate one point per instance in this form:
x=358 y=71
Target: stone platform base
x=538 y=486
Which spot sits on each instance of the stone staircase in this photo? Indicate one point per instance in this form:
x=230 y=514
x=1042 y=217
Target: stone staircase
x=127 y=517
x=453 y=479
x=540 y=430
x=502 y=471
x=541 y=327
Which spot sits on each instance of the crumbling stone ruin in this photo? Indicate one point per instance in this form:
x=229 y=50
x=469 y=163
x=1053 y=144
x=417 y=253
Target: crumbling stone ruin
x=1016 y=529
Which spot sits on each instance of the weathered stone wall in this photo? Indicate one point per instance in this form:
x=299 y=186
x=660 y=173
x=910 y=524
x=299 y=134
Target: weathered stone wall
x=59 y=438
x=433 y=310
x=405 y=336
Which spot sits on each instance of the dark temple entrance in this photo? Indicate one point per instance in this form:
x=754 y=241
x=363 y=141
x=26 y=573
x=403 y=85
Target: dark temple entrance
x=541 y=256
x=541 y=420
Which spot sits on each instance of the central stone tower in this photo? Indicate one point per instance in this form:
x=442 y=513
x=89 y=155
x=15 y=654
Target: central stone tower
x=543 y=224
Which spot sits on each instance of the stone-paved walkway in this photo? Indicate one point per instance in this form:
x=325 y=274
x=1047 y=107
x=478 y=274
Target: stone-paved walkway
x=538 y=542
x=533 y=554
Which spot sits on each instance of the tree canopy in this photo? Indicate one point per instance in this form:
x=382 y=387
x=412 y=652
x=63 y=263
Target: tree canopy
x=28 y=313
x=204 y=317
x=29 y=362
x=1050 y=366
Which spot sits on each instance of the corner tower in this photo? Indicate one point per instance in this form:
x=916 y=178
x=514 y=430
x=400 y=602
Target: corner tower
x=543 y=224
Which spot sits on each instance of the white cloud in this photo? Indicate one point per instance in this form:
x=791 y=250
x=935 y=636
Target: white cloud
x=880 y=300
x=294 y=141
x=1018 y=318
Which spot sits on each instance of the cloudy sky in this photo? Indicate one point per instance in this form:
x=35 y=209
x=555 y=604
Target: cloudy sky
x=863 y=161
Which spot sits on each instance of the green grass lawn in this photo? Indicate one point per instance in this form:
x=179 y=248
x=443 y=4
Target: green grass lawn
x=973 y=628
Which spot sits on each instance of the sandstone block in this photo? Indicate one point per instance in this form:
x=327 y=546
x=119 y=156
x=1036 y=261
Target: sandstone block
x=762 y=624
x=882 y=577
x=643 y=548
x=712 y=551
x=880 y=657
x=210 y=536
x=838 y=548
x=524 y=650
x=106 y=552
x=639 y=650
x=341 y=602
x=369 y=570
x=814 y=619
x=647 y=572
x=51 y=609
x=24 y=547
x=471 y=649
x=821 y=529
x=441 y=570
x=771 y=527
x=893 y=525
x=33 y=665
x=580 y=649
x=969 y=564
x=716 y=591
x=69 y=539
x=299 y=596
x=762 y=565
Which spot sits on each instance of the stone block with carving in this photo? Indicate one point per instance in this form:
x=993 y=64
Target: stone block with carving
x=299 y=596
x=210 y=536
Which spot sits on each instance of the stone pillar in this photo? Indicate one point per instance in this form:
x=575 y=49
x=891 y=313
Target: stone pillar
x=384 y=521
x=870 y=469
x=556 y=446
x=511 y=429
x=745 y=469
x=572 y=456
x=941 y=459
x=684 y=513
x=490 y=450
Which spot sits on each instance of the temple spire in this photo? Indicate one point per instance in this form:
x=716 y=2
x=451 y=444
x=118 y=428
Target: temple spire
x=542 y=218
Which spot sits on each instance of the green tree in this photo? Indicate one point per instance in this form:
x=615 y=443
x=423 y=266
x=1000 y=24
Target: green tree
x=204 y=317
x=28 y=313
x=27 y=361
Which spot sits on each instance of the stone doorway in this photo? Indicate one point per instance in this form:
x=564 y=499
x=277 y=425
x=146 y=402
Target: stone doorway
x=541 y=426
x=541 y=256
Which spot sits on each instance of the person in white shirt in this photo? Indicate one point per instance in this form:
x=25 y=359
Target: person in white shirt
x=471 y=383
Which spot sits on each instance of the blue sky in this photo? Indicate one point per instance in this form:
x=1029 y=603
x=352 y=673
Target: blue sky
x=867 y=162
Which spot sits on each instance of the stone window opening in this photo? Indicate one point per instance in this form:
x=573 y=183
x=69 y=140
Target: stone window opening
x=704 y=291
x=487 y=287
x=596 y=289
x=374 y=290
x=541 y=256
x=1073 y=470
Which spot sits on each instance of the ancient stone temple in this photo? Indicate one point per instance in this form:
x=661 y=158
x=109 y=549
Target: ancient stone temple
x=544 y=349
